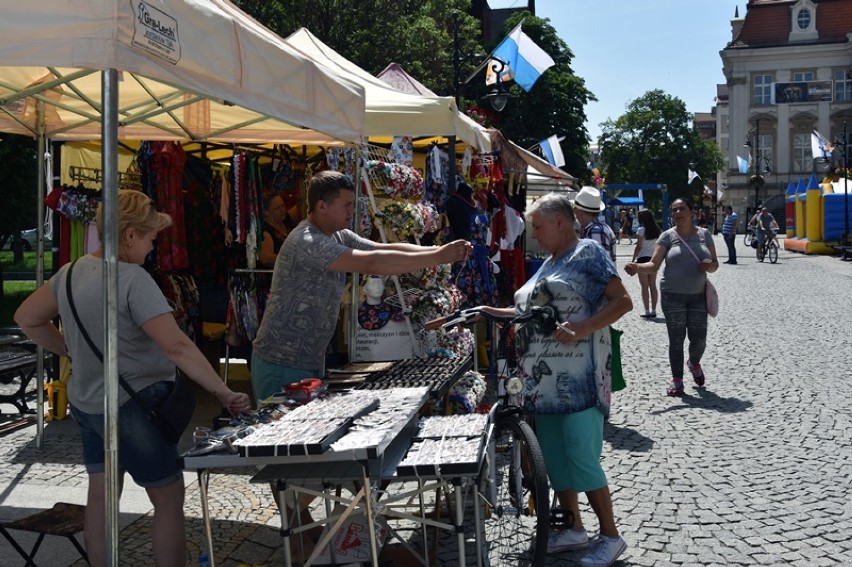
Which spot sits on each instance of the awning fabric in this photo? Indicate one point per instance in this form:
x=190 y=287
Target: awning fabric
x=626 y=202
x=190 y=69
x=389 y=111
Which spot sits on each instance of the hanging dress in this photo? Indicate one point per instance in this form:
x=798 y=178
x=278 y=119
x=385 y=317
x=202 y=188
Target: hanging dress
x=474 y=277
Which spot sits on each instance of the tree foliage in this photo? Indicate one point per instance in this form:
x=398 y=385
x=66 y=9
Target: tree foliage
x=18 y=172
x=654 y=142
x=418 y=34
x=555 y=104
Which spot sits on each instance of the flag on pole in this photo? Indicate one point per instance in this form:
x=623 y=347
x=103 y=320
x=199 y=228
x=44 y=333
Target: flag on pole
x=820 y=147
x=552 y=151
x=742 y=163
x=526 y=60
x=691 y=175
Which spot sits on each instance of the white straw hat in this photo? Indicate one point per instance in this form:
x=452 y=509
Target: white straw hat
x=589 y=200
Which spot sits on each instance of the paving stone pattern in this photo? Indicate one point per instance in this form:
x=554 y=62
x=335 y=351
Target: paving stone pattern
x=754 y=469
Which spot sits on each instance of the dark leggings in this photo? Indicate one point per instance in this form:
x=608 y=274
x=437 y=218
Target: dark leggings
x=686 y=316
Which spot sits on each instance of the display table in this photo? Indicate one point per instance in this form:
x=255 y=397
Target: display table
x=383 y=445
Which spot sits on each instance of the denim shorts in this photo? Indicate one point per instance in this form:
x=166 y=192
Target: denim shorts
x=142 y=450
x=572 y=445
x=268 y=378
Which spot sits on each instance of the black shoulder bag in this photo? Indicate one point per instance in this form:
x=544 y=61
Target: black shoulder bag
x=175 y=413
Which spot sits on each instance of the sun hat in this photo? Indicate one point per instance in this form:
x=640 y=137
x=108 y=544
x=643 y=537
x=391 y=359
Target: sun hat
x=589 y=200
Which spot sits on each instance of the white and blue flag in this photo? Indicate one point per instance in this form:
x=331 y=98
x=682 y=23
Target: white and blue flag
x=742 y=163
x=552 y=151
x=526 y=60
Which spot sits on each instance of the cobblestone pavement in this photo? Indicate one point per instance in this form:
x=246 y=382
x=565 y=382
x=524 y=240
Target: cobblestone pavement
x=755 y=469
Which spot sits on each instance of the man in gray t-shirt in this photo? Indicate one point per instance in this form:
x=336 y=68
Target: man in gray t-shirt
x=308 y=282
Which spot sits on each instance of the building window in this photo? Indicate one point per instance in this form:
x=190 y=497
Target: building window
x=803 y=76
x=803 y=161
x=762 y=89
x=842 y=86
x=803 y=18
x=765 y=155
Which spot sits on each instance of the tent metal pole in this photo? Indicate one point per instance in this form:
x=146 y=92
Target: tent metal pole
x=40 y=193
x=109 y=135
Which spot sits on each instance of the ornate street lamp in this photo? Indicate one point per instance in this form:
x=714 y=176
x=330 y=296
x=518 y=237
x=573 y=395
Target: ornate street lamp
x=498 y=96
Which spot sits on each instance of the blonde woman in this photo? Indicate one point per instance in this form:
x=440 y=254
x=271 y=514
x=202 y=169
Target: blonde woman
x=150 y=346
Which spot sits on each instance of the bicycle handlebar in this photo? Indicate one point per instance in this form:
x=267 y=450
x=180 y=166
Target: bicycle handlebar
x=536 y=313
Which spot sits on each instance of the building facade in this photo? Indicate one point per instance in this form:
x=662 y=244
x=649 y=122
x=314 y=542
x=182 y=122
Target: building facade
x=788 y=70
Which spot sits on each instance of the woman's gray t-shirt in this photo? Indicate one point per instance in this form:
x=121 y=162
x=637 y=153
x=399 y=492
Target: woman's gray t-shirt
x=681 y=274
x=140 y=360
x=305 y=296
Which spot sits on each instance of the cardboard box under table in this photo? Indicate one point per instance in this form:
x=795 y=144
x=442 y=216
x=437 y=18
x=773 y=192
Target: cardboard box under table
x=371 y=450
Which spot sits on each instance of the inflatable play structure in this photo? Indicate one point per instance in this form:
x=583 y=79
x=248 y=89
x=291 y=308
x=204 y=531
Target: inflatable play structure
x=816 y=215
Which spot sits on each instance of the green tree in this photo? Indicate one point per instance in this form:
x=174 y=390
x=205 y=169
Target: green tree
x=555 y=104
x=418 y=34
x=654 y=142
x=18 y=172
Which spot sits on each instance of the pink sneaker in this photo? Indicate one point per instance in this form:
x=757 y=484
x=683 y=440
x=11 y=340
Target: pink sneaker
x=697 y=373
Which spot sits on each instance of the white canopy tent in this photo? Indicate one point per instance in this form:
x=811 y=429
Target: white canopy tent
x=189 y=69
x=164 y=69
x=390 y=111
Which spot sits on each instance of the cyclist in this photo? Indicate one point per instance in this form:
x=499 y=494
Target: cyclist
x=766 y=226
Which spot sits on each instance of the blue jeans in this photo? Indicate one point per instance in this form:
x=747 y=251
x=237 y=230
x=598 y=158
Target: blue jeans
x=686 y=316
x=142 y=450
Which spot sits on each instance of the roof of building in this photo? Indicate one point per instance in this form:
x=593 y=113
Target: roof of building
x=767 y=23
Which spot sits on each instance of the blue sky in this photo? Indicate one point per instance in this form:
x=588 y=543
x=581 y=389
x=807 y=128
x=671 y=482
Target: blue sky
x=625 y=48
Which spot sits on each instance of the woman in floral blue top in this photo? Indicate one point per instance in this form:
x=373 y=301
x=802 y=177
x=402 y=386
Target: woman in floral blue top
x=566 y=370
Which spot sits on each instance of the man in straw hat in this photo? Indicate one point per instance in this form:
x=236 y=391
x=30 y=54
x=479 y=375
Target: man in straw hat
x=587 y=209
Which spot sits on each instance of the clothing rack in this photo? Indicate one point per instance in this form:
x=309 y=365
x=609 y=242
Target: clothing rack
x=79 y=173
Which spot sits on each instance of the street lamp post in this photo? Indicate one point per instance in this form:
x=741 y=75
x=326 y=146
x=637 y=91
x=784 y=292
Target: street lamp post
x=756 y=180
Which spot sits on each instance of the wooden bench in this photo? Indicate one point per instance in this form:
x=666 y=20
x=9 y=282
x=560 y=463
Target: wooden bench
x=20 y=367
x=65 y=520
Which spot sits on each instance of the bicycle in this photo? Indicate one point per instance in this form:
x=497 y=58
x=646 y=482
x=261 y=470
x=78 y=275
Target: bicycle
x=769 y=248
x=750 y=235
x=514 y=480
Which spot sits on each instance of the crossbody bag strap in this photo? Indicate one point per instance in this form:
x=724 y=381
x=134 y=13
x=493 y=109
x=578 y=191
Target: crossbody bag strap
x=688 y=247
x=86 y=336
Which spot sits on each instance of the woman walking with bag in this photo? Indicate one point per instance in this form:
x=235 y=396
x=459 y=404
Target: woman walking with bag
x=150 y=345
x=690 y=255
x=646 y=240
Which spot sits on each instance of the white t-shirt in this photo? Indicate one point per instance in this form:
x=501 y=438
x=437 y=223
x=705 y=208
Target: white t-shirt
x=648 y=244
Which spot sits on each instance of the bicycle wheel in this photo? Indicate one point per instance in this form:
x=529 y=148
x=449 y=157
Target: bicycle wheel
x=773 y=252
x=761 y=253
x=517 y=518
x=749 y=236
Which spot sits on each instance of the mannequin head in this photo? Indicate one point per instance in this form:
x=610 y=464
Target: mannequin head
x=374 y=289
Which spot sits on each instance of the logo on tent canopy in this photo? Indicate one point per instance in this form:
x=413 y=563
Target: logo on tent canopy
x=156 y=32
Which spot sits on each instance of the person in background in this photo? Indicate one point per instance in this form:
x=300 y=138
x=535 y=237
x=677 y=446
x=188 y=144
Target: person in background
x=275 y=227
x=682 y=286
x=729 y=233
x=567 y=385
x=646 y=240
x=308 y=282
x=587 y=209
x=766 y=226
x=702 y=218
x=150 y=345
x=624 y=229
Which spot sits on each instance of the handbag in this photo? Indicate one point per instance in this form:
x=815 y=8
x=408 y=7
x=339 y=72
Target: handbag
x=711 y=296
x=173 y=415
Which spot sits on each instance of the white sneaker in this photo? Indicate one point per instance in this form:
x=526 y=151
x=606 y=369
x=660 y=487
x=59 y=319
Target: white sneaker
x=605 y=552
x=566 y=540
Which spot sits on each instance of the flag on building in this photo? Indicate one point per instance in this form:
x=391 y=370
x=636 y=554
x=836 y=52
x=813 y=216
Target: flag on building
x=691 y=175
x=552 y=151
x=526 y=59
x=742 y=163
x=820 y=147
